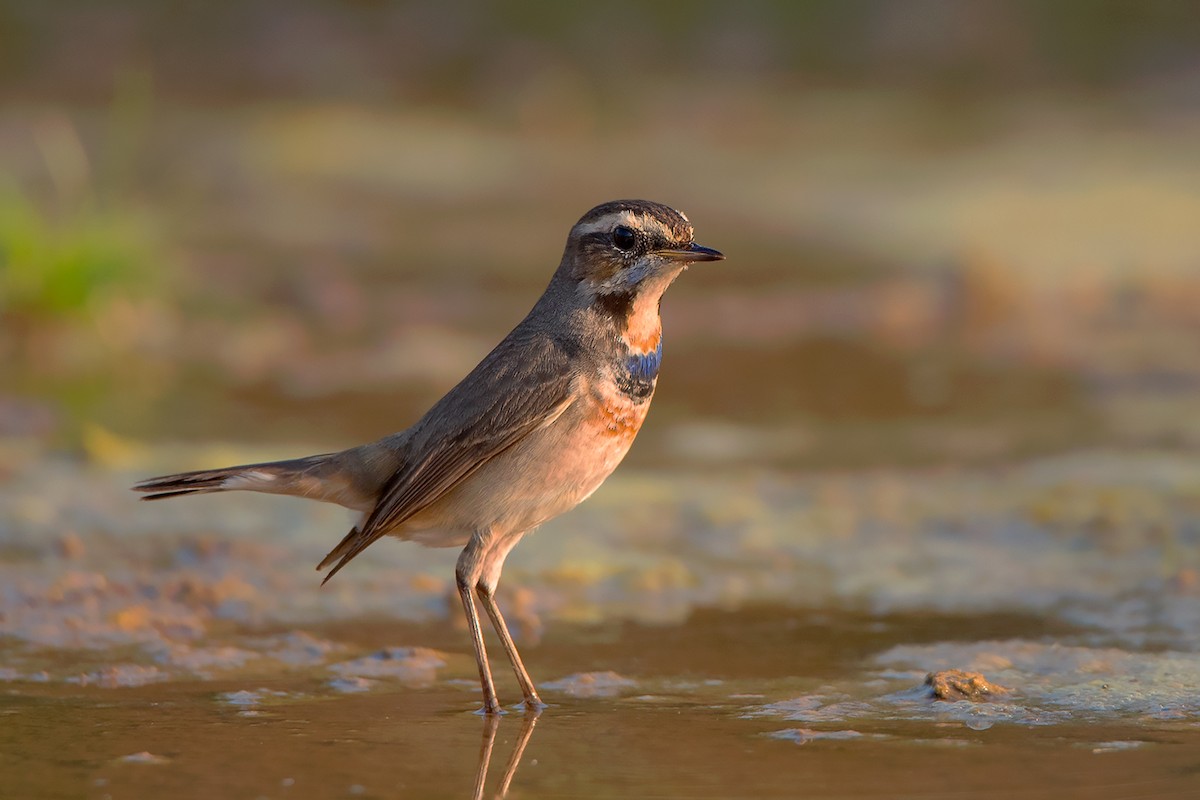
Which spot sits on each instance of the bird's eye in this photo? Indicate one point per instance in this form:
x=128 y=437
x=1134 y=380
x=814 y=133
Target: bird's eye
x=624 y=238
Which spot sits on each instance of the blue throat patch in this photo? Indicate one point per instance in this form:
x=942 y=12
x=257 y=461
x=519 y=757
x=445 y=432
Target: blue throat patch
x=644 y=366
x=636 y=380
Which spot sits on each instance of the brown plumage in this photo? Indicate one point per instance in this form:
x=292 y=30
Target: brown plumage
x=534 y=429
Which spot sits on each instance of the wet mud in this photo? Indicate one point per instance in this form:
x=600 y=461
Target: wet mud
x=703 y=635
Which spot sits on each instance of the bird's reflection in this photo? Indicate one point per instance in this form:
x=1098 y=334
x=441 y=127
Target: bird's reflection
x=491 y=724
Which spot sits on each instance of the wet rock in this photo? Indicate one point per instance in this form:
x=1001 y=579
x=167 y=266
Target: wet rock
x=957 y=684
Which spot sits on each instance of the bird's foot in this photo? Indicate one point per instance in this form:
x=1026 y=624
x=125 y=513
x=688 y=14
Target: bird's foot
x=533 y=704
x=490 y=709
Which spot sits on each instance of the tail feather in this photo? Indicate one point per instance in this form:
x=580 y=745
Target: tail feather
x=272 y=476
x=199 y=482
x=176 y=493
x=347 y=542
x=351 y=478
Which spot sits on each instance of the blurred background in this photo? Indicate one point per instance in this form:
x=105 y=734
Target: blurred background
x=957 y=231
x=939 y=409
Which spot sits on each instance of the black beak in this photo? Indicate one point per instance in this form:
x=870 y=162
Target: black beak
x=693 y=253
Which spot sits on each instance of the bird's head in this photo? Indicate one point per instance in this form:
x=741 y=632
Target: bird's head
x=627 y=250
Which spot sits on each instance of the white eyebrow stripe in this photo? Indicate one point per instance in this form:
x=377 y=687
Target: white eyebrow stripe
x=608 y=222
x=627 y=218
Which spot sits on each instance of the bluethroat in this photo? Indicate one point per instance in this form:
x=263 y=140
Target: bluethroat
x=531 y=432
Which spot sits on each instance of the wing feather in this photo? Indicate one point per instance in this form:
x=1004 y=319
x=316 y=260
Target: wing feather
x=522 y=385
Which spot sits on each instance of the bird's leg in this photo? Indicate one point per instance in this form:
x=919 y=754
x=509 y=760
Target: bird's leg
x=466 y=575
x=493 y=562
x=487 y=597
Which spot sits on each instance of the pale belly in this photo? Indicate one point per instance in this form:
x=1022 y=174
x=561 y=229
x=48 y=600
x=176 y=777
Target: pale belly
x=546 y=474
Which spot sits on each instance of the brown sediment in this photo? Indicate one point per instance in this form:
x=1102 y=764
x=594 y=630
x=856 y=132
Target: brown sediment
x=957 y=684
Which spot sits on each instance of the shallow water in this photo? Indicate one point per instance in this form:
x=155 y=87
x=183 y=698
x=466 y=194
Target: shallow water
x=721 y=635
x=703 y=717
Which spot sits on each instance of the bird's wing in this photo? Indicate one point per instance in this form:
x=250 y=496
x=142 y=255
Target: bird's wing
x=522 y=385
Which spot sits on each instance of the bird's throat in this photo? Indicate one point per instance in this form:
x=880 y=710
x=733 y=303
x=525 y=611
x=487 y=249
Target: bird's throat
x=637 y=374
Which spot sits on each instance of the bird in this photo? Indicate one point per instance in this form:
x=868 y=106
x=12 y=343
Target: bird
x=527 y=435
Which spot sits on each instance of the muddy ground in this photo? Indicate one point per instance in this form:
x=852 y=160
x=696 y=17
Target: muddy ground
x=708 y=634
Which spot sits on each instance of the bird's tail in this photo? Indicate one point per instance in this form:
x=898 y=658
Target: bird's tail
x=298 y=476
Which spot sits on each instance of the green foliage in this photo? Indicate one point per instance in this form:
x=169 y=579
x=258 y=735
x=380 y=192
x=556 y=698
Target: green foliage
x=62 y=253
x=56 y=267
